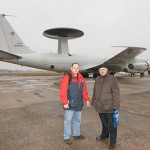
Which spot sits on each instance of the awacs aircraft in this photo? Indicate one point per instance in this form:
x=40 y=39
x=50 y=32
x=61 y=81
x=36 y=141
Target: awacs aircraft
x=13 y=50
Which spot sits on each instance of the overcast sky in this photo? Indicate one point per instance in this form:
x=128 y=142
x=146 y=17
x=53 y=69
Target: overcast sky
x=105 y=23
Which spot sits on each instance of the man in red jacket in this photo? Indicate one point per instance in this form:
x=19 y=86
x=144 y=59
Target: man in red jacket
x=73 y=91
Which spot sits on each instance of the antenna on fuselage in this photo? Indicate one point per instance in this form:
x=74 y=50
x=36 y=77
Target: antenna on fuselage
x=63 y=35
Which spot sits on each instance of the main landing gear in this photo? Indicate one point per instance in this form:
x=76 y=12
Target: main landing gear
x=142 y=75
x=85 y=75
x=95 y=75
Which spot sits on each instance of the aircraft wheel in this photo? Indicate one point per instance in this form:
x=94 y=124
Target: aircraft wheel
x=95 y=75
x=85 y=75
x=112 y=73
x=141 y=75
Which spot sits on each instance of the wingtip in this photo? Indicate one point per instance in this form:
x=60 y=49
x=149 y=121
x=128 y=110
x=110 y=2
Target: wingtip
x=3 y=15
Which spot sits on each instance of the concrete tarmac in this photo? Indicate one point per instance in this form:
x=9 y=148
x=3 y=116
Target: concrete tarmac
x=31 y=115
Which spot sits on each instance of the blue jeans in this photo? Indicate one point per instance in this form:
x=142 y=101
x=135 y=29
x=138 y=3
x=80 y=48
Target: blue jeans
x=72 y=116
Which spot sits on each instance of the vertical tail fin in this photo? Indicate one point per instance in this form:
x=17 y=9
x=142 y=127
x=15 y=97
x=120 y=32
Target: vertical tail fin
x=9 y=40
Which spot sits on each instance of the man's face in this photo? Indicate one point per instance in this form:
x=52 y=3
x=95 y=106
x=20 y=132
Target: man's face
x=75 y=69
x=103 y=71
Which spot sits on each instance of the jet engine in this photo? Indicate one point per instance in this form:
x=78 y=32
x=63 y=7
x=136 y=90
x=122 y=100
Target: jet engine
x=141 y=67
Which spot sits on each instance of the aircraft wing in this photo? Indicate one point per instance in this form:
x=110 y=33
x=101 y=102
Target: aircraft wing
x=6 y=55
x=117 y=62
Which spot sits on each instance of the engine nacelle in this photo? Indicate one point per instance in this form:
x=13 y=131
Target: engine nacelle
x=148 y=62
x=141 y=67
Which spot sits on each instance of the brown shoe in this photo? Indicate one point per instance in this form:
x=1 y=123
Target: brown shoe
x=101 y=138
x=68 y=141
x=79 y=137
x=112 y=146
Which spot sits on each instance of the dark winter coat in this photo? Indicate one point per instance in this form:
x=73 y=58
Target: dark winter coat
x=106 y=94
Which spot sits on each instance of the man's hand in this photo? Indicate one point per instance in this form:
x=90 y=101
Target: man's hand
x=66 y=106
x=88 y=103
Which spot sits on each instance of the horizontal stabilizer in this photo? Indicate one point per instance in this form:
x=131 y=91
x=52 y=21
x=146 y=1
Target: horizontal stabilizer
x=5 y=55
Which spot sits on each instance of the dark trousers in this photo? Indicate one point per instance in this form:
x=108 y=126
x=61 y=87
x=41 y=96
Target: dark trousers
x=108 y=129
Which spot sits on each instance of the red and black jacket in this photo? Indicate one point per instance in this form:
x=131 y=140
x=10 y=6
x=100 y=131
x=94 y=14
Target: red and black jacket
x=74 y=92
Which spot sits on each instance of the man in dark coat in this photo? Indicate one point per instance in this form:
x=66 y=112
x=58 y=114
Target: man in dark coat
x=106 y=99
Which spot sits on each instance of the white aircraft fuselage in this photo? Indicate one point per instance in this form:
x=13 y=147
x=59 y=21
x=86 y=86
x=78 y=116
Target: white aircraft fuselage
x=62 y=62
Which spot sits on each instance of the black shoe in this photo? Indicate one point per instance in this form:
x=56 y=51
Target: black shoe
x=79 y=137
x=68 y=141
x=101 y=138
x=111 y=146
